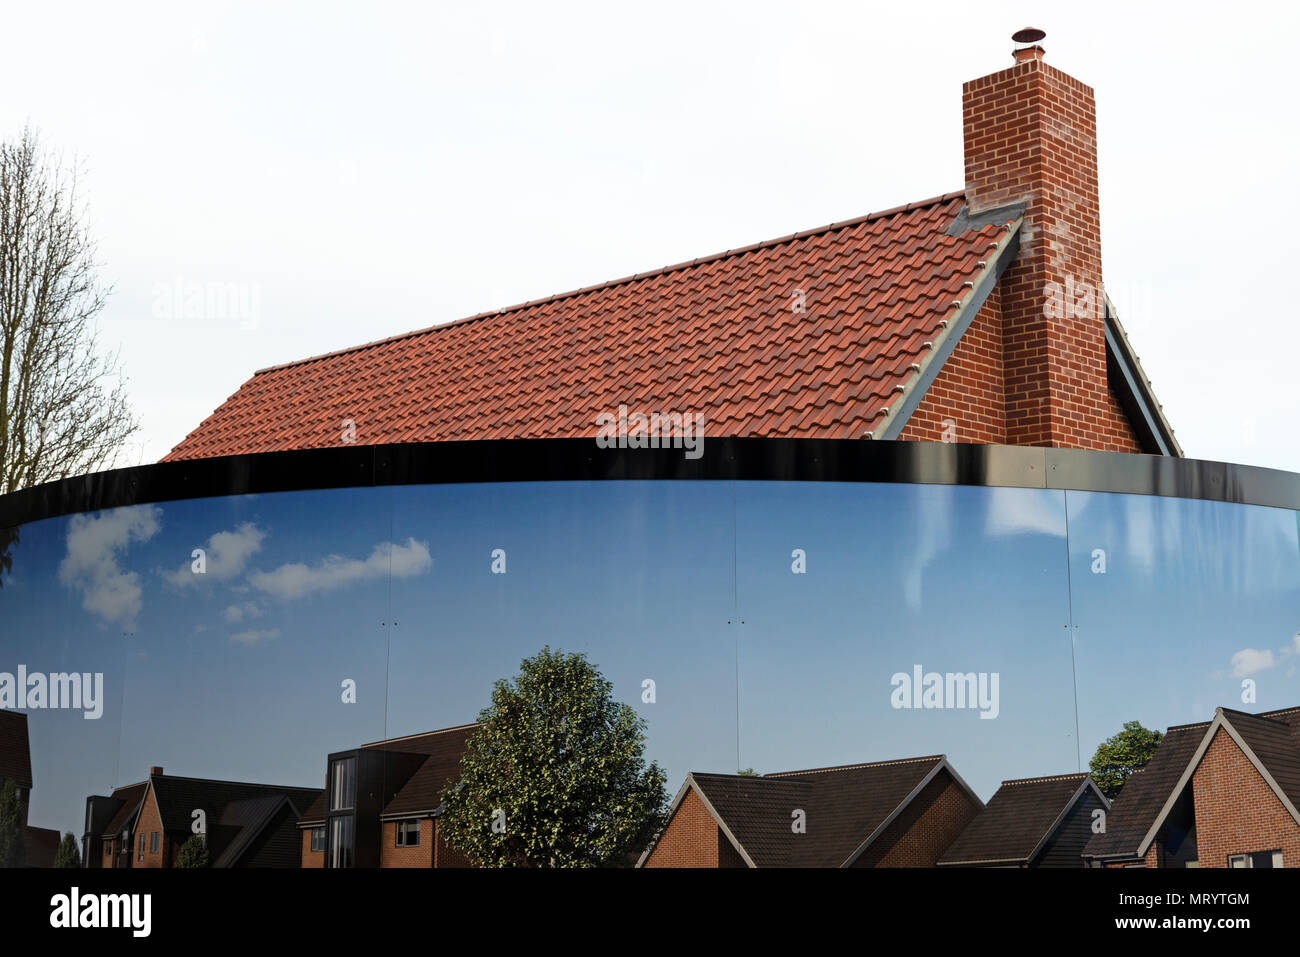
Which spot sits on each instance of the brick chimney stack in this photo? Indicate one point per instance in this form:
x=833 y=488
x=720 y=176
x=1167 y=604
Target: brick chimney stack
x=155 y=770
x=1031 y=137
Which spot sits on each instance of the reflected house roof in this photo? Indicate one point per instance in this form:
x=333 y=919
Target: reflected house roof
x=1019 y=818
x=1271 y=739
x=225 y=803
x=42 y=846
x=127 y=799
x=15 y=749
x=420 y=794
x=810 y=335
x=846 y=808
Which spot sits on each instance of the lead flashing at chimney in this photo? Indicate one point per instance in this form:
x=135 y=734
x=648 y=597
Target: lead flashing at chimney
x=998 y=215
x=915 y=388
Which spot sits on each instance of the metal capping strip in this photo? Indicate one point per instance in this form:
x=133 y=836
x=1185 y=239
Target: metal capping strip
x=945 y=342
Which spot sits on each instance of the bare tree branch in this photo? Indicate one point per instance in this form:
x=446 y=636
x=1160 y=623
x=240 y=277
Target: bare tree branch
x=61 y=413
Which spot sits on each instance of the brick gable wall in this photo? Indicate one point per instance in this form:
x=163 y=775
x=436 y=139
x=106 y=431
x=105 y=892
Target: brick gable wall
x=1236 y=811
x=926 y=828
x=969 y=391
x=967 y=402
x=149 y=822
x=691 y=838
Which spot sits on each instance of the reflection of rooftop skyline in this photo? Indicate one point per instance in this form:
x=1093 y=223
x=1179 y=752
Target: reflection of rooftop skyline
x=243 y=666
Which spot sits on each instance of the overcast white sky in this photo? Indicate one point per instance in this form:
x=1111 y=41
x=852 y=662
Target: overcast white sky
x=369 y=169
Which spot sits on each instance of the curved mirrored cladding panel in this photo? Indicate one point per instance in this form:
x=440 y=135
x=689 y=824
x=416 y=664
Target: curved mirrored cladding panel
x=883 y=622
x=635 y=575
x=259 y=643
x=1181 y=606
x=753 y=622
x=67 y=605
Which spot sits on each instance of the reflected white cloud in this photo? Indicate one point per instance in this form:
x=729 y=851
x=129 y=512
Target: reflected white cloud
x=237 y=613
x=934 y=508
x=226 y=556
x=295 y=580
x=1016 y=511
x=1248 y=661
x=91 y=563
x=255 y=637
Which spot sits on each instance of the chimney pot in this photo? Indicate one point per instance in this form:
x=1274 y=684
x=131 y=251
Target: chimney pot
x=1025 y=54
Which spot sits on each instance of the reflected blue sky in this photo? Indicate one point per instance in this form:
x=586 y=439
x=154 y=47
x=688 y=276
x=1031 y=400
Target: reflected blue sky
x=237 y=673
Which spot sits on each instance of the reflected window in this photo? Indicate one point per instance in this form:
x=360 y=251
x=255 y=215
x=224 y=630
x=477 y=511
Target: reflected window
x=408 y=833
x=1258 y=859
x=343 y=784
x=341 y=842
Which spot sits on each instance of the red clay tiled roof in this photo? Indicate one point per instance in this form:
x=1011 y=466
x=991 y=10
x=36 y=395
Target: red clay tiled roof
x=720 y=336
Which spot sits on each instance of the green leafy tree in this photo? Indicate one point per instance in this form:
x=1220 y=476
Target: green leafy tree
x=1120 y=755
x=748 y=773
x=556 y=775
x=68 y=854
x=12 y=851
x=194 y=853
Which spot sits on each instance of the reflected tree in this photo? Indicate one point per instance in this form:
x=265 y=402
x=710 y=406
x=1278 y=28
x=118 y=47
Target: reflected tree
x=8 y=539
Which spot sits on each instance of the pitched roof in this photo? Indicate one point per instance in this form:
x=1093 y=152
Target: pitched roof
x=422 y=793
x=1017 y=820
x=757 y=812
x=247 y=818
x=811 y=335
x=15 y=749
x=845 y=807
x=42 y=846
x=1145 y=792
x=177 y=797
x=130 y=795
x=315 y=813
x=1271 y=736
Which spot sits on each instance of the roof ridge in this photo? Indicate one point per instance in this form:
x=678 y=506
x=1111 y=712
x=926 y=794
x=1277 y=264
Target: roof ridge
x=609 y=284
x=854 y=767
x=420 y=734
x=1076 y=775
x=1277 y=712
x=1184 y=727
x=251 y=784
x=1271 y=718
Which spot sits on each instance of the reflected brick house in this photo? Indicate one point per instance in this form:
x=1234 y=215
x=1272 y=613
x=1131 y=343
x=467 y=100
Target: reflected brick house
x=1220 y=793
x=40 y=844
x=145 y=824
x=885 y=814
x=382 y=802
x=109 y=836
x=1031 y=822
